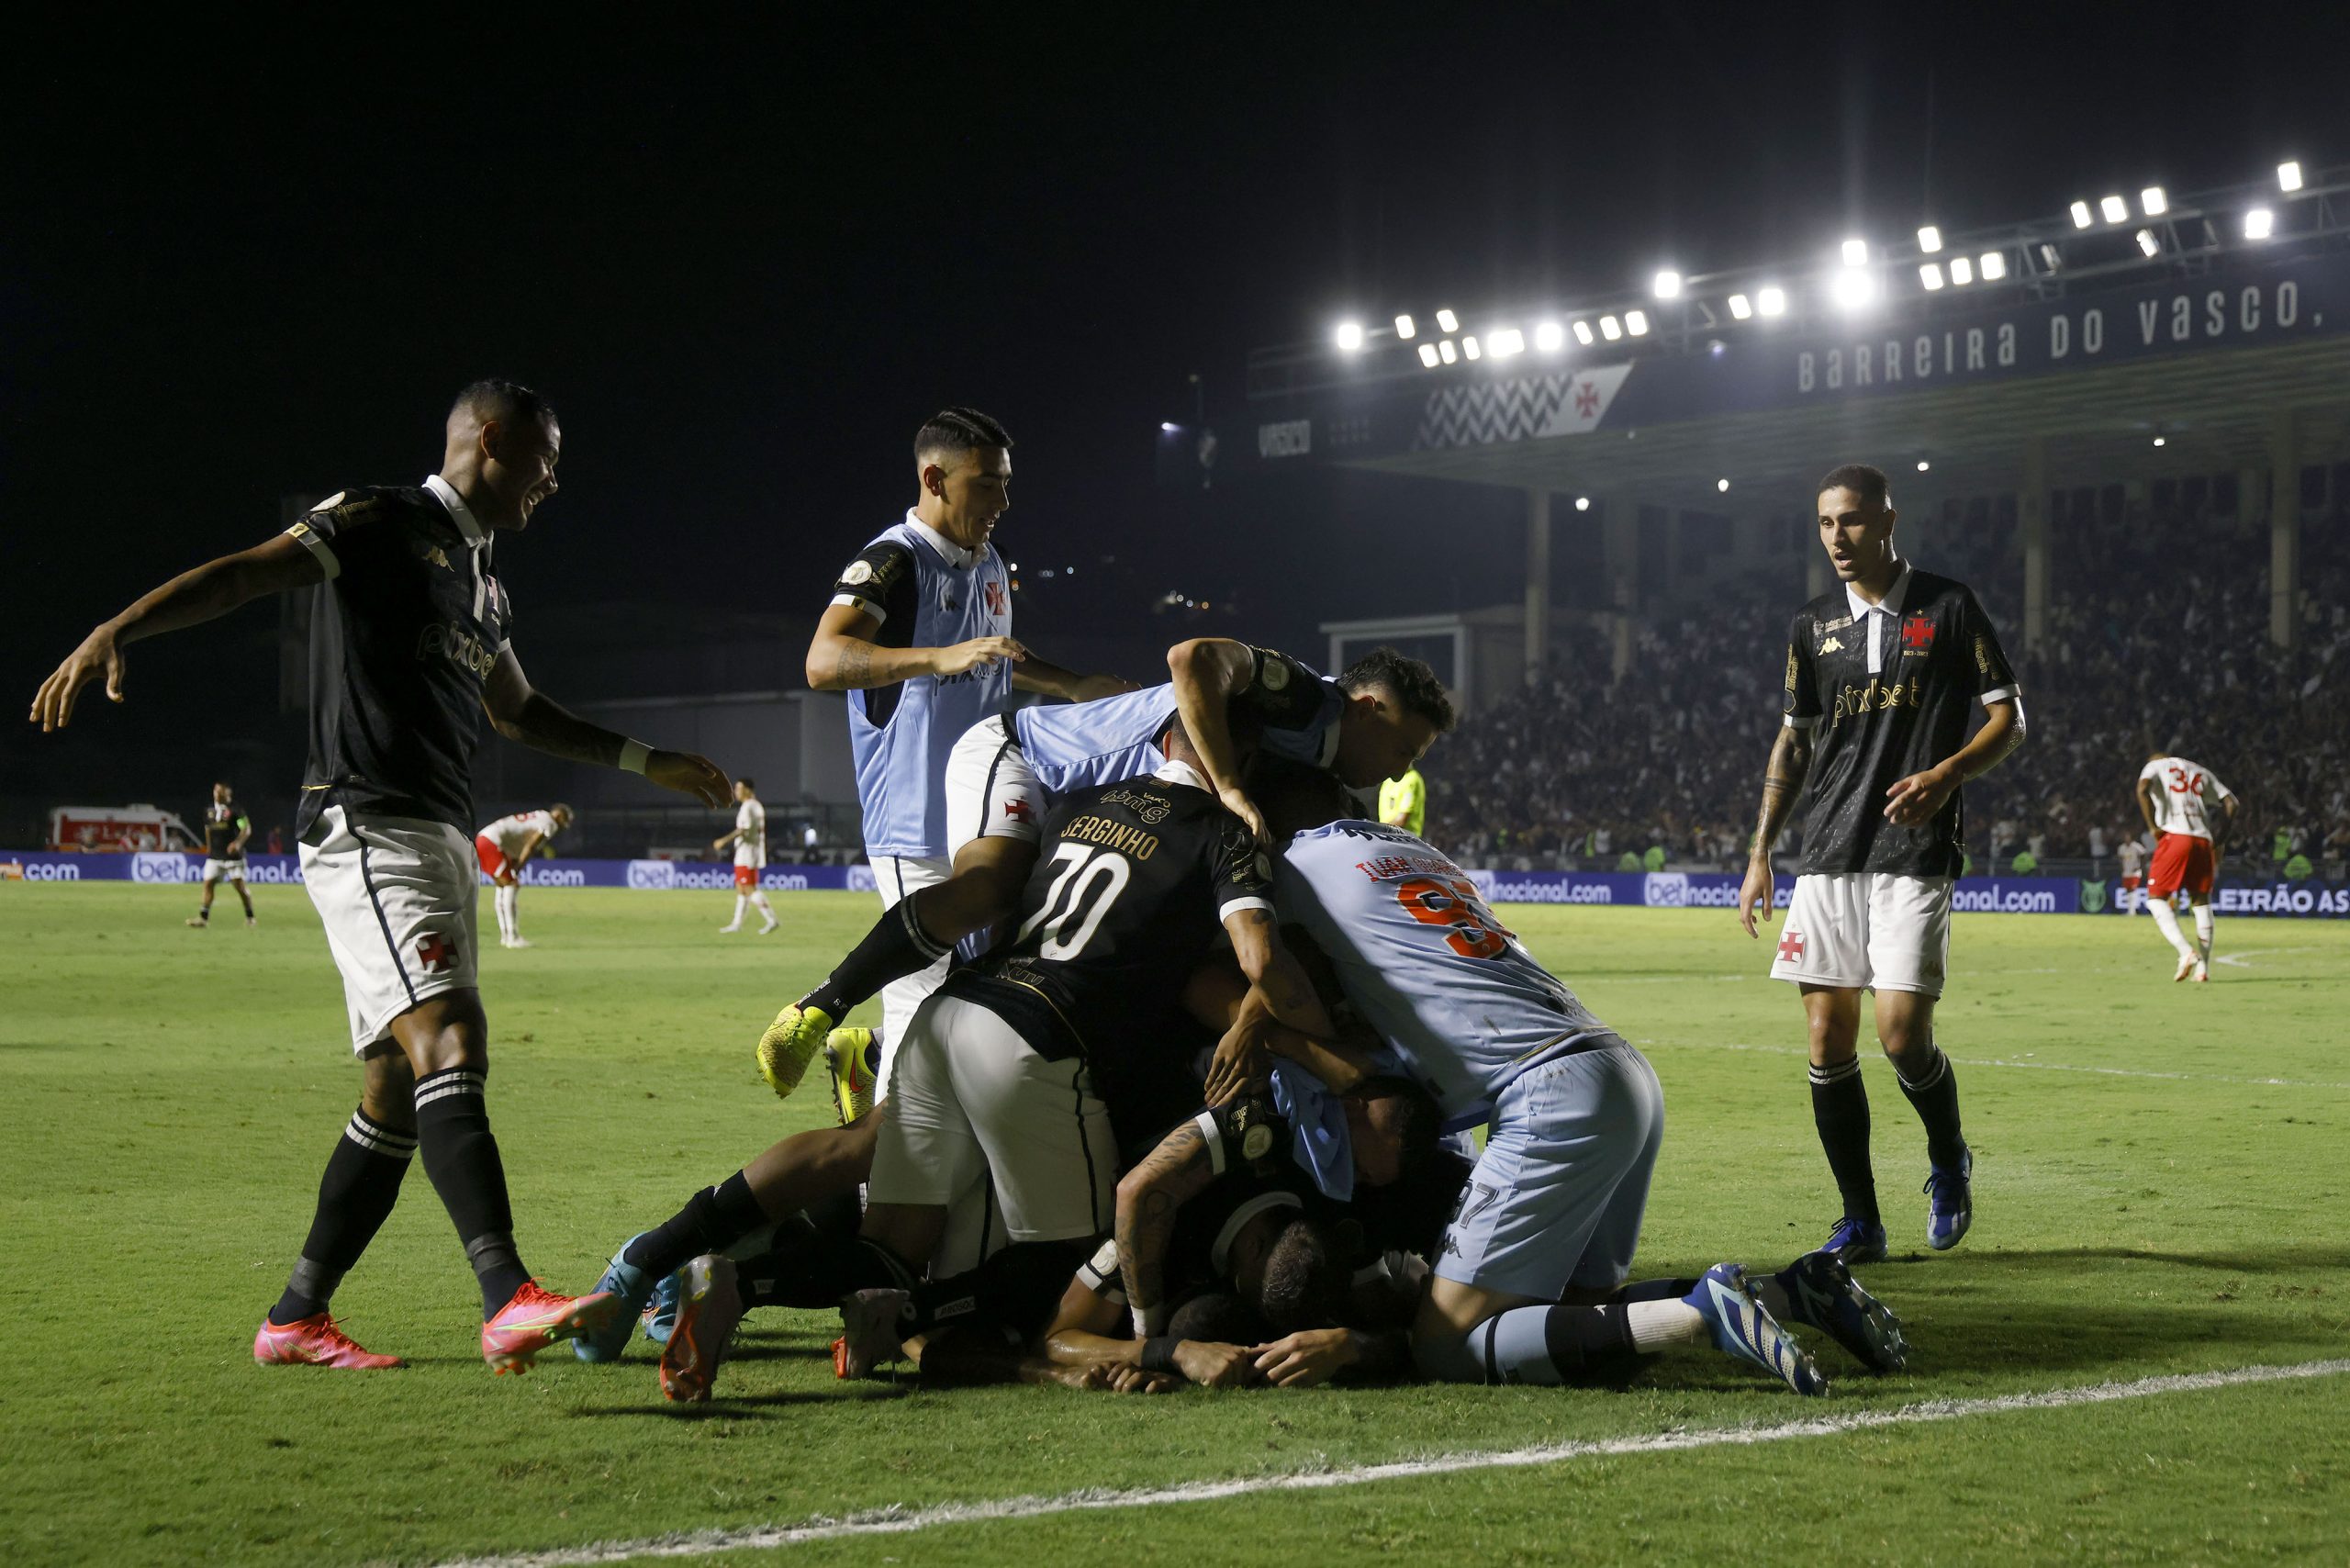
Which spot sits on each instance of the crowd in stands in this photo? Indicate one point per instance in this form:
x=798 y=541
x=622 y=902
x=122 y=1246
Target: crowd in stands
x=2158 y=639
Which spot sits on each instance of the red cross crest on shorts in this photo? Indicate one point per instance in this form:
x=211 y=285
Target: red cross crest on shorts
x=995 y=596
x=1791 y=946
x=434 y=954
x=1917 y=632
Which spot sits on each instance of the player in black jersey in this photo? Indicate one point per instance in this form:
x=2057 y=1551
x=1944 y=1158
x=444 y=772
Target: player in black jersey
x=408 y=649
x=1882 y=674
x=226 y=828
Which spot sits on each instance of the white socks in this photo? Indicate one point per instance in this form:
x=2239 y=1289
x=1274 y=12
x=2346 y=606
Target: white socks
x=2203 y=930
x=2167 y=922
x=509 y=925
x=739 y=901
x=766 y=910
x=1657 y=1323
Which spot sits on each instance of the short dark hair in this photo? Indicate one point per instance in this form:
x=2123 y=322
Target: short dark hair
x=1409 y=680
x=1216 y=1317
x=1305 y=1279
x=746 y=781
x=1863 y=481
x=1294 y=797
x=502 y=401
x=959 y=430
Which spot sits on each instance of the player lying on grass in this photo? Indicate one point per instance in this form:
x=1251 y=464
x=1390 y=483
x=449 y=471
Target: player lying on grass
x=1373 y=721
x=2178 y=800
x=1529 y=1286
x=409 y=648
x=504 y=848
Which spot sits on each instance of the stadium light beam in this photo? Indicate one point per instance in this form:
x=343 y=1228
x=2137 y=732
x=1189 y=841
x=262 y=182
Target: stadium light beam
x=1428 y=355
x=1446 y=322
x=1992 y=265
x=1610 y=328
x=1170 y=426
x=1583 y=503
x=1445 y=351
x=1668 y=285
x=2113 y=209
x=2148 y=245
x=1550 y=337
x=1930 y=240
x=2082 y=218
x=1470 y=348
x=1852 y=289
x=1741 y=307
x=2288 y=176
x=1962 y=271
x=1722 y=484
x=2259 y=223
x=1582 y=333
x=1923 y=465
x=1931 y=274
x=1508 y=342
x=1856 y=252
x=1771 y=301
x=1349 y=337
x=1407 y=329
x=2153 y=201
x=2162 y=441
x=1637 y=323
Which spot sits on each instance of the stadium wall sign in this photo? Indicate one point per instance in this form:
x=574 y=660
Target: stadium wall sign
x=1628 y=890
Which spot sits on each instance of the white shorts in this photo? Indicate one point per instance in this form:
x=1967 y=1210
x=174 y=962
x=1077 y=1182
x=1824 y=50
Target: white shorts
x=1558 y=1194
x=972 y=1100
x=229 y=870
x=1878 y=930
x=990 y=791
x=395 y=895
x=894 y=877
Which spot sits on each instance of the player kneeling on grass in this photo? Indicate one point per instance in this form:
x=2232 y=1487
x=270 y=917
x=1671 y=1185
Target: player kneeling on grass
x=226 y=828
x=504 y=848
x=408 y=649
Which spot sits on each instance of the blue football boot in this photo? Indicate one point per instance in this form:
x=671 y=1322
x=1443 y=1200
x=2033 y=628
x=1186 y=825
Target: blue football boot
x=1821 y=1294
x=661 y=1311
x=629 y=1286
x=1855 y=1242
x=1950 y=1203
x=1743 y=1329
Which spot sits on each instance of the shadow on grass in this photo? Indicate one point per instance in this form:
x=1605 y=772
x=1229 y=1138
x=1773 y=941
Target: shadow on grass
x=750 y=1407
x=1966 y=1265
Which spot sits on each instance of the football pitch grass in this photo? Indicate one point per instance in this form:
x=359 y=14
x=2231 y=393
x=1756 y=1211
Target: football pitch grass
x=2163 y=1175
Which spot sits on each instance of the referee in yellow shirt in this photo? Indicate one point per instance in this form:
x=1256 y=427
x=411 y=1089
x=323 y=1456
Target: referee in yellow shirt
x=1404 y=802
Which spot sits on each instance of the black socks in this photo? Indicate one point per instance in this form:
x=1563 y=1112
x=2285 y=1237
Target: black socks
x=461 y=1157
x=1935 y=1095
x=713 y=1220
x=896 y=947
x=355 y=1196
x=1840 y=1108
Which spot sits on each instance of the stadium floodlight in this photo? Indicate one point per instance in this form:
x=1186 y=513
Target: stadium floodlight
x=2113 y=209
x=2288 y=176
x=1428 y=355
x=1508 y=342
x=2152 y=202
x=1668 y=286
x=1962 y=271
x=1445 y=351
x=1931 y=274
x=1583 y=503
x=1852 y=289
x=1741 y=307
x=1550 y=337
x=2081 y=216
x=1470 y=348
x=1930 y=240
x=1856 y=252
x=2148 y=245
x=2162 y=441
x=1170 y=426
x=2259 y=223
x=1722 y=484
x=1923 y=465
x=1771 y=301
x=1349 y=336
x=2050 y=258
x=1446 y=322
x=1610 y=328
x=1992 y=265
x=1637 y=323
x=1407 y=329
x=1582 y=333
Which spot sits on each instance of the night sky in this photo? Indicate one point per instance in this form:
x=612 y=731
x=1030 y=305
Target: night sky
x=745 y=261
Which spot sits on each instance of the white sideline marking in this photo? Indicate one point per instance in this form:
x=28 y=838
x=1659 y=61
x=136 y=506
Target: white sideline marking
x=2009 y=1061
x=897 y=1521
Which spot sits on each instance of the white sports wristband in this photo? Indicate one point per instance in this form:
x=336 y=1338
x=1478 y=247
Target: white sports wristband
x=633 y=755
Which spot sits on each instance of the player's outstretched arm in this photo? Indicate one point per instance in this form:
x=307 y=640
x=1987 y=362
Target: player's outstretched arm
x=529 y=717
x=1209 y=672
x=210 y=591
x=1034 y=674
x=1912 y=801
x=1783 y=779
x=843 y=656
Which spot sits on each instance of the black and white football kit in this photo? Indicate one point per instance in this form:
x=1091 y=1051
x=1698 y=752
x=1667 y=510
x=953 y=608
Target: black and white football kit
x=1002 y=1070
x=223 y=855
x=1887 y=690
x=404 y=631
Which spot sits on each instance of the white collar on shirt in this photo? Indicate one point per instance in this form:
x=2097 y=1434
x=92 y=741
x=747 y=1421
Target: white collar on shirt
x=459 y=513
x=1176 y=772
x=1889 y=605
x=955 y=554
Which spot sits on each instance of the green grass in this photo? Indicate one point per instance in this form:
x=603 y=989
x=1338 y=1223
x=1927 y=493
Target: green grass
x=167 y=1097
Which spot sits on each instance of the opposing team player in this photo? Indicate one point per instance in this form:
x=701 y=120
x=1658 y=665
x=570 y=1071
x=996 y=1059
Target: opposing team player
x=2131 y=855
x=225 y=829
x=409 y=648
x=919 y=635
x=1530 y=1285
x=1373 y=721
x=750 y=841
x=1882 y=675
x=2179 y=799
x=504 y=848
